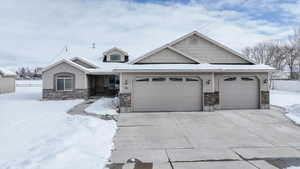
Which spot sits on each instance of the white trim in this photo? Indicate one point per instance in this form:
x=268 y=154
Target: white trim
x=192 y=70
x=64 y=80
x=186 y=36
x=85 y=61
x=67 y=62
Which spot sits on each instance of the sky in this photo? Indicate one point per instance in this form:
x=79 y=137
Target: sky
x=35 y=33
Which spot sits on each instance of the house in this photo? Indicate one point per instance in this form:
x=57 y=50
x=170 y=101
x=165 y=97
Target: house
x=7 y=81
x=192 y=73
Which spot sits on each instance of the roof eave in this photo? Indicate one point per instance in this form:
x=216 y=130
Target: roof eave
x=193 y=70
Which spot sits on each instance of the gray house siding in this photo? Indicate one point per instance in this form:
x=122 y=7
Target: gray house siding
x=166 y=56
x=80 y=86
x=207 y=52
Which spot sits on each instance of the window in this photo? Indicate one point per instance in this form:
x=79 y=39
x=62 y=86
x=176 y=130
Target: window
x=191 y=79
x=247 y=78
x=141 y=79
x=230 y=79
x=158 y=79
x=176 y=79
x=64 y=83
x=115 y=57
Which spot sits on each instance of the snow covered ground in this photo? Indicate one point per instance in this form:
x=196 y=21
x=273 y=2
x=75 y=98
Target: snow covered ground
x=103 y=106
x=40 y=135
x=288 y=100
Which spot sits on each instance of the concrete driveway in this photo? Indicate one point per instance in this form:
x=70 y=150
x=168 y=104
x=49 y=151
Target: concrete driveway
x=233 y=139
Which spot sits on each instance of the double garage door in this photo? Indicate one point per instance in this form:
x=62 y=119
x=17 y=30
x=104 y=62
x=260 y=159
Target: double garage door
x=162 y=93
x=167 y=93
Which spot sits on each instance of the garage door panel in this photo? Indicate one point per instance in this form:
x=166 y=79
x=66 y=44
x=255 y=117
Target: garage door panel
x=239 y=92
x=167 y=95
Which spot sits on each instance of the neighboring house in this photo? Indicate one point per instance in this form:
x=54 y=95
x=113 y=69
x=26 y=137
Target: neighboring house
x=192 y=73
x=7 y=81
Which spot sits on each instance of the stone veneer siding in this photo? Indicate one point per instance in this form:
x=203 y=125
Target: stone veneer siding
x=264 y=99
x=52 y=94
x=125 y=102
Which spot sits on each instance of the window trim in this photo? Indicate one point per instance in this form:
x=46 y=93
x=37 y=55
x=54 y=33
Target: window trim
x=64 y=77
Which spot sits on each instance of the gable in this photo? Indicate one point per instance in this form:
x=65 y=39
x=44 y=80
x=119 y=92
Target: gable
x=207 y=51
x=166 y=55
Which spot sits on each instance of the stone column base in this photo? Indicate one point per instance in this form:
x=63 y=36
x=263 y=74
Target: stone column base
x=210 y=100
x=264 y=99
x=125 y=102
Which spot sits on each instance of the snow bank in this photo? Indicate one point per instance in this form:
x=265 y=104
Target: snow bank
x=286 y=85
x=294 y=113
x=40 y=135
x=288 y=100
x=284 y=98
x=103 y=106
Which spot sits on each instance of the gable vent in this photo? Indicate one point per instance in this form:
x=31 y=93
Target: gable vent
x=193 y=40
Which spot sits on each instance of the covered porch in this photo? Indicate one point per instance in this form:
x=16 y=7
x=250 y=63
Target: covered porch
x=103 y=85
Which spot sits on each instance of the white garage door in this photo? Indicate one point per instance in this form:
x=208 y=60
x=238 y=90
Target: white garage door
x=167 y=94
x=239 y=92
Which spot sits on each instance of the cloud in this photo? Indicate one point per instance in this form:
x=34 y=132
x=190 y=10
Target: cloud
x=292 y=11
x=34 y=32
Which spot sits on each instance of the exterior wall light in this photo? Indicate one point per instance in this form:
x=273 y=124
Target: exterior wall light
x=208 y=82
x=265 y=81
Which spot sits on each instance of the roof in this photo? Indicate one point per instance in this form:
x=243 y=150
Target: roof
x=186 y=36
x=67 y=61
x=113 y=68
x=115 y=49
x=86 y=61
x=6 y=72
x=194 y=68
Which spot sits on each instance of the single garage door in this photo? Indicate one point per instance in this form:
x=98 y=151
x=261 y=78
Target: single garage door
x=167 y=94
x=239 y=92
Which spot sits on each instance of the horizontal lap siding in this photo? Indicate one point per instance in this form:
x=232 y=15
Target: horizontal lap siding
x=166 y=56
x=207 y=52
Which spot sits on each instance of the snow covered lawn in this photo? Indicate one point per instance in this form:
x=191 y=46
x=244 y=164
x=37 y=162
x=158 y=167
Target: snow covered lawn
x=40 y=135
x=288 y=100
x=103 y=106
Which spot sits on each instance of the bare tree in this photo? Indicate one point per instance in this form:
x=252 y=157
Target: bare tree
x=269 y=53
x=292 y=53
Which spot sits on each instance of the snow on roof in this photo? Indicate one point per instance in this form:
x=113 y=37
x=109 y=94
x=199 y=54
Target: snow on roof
x=194 y=68
x=113 y=68
x=6 y=72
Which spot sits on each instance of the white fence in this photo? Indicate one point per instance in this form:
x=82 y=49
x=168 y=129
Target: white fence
x=288 y=85
x=29 y=83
